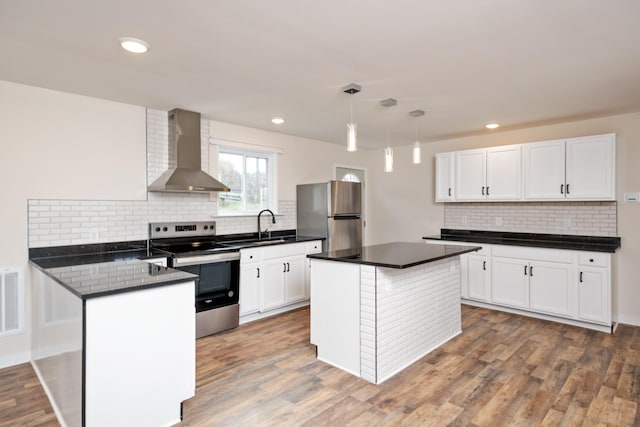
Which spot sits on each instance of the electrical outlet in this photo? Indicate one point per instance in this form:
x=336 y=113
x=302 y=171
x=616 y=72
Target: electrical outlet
x=464 y=219
x=630 y=197
x=498 y=220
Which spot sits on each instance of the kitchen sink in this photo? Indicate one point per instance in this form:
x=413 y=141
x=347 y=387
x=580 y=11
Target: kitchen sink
x=255 y=243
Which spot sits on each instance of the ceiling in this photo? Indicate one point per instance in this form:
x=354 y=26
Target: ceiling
x=465 y=63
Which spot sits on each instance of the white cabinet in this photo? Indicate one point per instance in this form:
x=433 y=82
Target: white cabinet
x=594 y=288
x=489 y=174
x=504 y=173
x=564 y=285
x=510 y=282
x=470 y=175
x=534 y=279
x=590 y=171
x=445 y=178
x=273 y=284
x=275 y=276
x=250 y=271
x=313 y=247
x=478 y=277
x=551 y=288
x=544 y=170
x=573 y=169
x=295 y=287
x=580 y=168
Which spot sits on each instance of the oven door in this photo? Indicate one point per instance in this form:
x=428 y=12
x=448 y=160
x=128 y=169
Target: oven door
x=218 y=279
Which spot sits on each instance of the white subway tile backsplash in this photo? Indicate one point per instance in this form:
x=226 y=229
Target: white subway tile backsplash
x=118 y=220
x=586 y=218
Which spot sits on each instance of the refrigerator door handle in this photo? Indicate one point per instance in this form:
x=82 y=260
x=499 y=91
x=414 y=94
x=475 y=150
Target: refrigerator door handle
x=345 y=217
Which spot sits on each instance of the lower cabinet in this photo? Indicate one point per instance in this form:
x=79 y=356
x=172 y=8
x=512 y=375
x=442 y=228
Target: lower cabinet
x=275 y=276
x=479 y=277
x=594 y=288
x=510 y=282
x=564 y=284
x=283 y=282
x=551 y=288
x=250 y=274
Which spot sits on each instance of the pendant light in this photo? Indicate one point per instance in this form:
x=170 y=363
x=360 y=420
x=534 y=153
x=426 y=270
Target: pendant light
x=388 y=155
x=388 y=152
x=352 y=127
x=417 y=156
x=388 y=159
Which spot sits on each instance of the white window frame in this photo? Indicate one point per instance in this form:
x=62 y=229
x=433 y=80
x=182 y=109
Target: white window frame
x=252 y=151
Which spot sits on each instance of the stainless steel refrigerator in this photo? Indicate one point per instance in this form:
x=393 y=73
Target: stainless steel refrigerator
x=331 y=211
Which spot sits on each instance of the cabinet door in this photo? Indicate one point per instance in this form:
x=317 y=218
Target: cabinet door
x=590 y=168
x=593 y=295
x=470 y=171
x=544 y=170
x=249 y=288
x=550 y=288
x=295 y=289
x=504 y=173
x=445 y=177
x=272 y=282
x=510 y=282
x=479 y=278
x=312 y=248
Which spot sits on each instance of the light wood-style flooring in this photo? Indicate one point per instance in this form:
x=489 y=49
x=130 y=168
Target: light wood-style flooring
x=503 y=370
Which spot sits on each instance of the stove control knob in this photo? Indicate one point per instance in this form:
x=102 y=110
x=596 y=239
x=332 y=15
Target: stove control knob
x=206 y=227
x=230 y=294
x=165 y=229
x=157 y=229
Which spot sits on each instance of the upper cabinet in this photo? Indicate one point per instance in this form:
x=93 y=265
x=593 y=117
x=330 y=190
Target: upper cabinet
x=570 y=169
x=590 y=168
x=489 y=174
x=544 y=170
x=573 y=169
x=445 y=178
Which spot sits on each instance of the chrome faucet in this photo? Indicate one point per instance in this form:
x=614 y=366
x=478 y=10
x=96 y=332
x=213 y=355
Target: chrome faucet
x=273 y=221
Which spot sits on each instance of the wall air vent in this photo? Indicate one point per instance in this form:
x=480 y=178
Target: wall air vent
x=11 y=300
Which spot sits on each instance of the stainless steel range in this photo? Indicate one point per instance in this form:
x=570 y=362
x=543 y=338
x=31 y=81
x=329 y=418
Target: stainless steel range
x=192 y=247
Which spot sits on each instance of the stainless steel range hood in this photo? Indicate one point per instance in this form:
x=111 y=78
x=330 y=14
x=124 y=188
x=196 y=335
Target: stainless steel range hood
x=184 y=153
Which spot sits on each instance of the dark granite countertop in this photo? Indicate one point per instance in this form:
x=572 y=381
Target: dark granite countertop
x=114 y=277
x=395 y=255
x=551 y=241
x=94 y=270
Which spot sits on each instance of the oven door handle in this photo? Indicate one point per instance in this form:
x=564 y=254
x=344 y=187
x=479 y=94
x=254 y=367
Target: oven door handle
x=206 y=259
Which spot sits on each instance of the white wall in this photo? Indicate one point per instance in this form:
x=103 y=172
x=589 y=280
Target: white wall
x=76 y=151
x=57 y=145
x=403 y=207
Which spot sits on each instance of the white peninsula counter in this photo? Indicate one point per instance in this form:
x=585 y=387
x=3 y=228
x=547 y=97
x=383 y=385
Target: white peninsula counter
x=113 y=342
x=377 y=309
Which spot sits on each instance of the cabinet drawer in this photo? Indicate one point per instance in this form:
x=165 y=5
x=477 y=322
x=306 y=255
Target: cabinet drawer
x=285 y=250
x=249 y=255
x=595 y=259
x=313 y=247
x=534 y=254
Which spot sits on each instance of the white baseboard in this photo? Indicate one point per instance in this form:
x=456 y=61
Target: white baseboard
x=14 y=359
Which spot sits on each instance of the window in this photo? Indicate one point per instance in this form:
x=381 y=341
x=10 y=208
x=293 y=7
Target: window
x=250 y=176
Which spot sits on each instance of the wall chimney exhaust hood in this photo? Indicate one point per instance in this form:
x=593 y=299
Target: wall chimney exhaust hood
x=184 y=153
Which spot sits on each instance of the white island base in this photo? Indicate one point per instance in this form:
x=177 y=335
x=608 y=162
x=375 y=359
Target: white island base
x=375 y=321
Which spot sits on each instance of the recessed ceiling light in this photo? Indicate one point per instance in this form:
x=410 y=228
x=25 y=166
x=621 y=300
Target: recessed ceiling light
x=492 y=125
x=134 y=45
x=277 y=120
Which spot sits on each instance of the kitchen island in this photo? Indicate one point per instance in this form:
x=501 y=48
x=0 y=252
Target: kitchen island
x=377 y=309
x=113 y=342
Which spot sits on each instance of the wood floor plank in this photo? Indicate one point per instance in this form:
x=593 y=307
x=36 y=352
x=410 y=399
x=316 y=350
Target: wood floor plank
x=503 y=369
